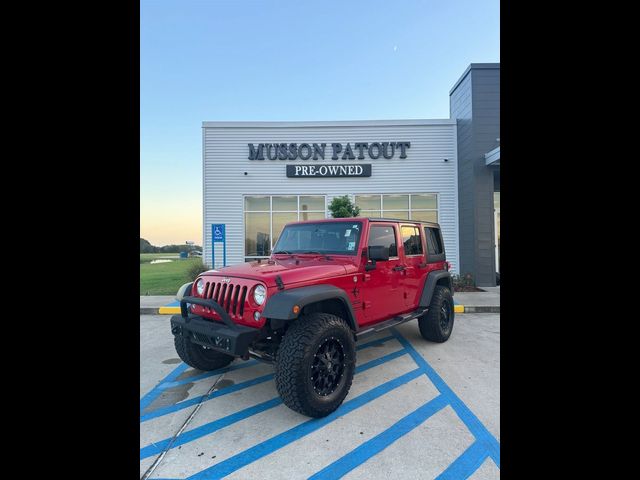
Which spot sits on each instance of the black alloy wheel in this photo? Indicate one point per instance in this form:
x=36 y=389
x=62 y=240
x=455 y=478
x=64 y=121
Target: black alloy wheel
x=445 y=316
x=327 y=367
x=437 y=324
x=315 y=364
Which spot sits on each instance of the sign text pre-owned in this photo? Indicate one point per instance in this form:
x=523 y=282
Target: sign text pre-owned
x=315 y=151
x=330 y=170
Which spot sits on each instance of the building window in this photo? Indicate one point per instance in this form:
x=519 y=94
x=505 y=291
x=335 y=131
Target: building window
x=266 y=215
x=417 y=206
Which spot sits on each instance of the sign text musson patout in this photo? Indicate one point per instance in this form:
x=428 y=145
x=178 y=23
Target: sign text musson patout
x=306 y=151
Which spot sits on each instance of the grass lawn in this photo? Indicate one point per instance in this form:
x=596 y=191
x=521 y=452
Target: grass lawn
x=164 y=278
x=147 y=257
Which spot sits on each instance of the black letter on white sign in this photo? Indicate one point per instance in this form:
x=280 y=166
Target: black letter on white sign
x=377 y=146
x=256 y=154
x=318 y=150
x=385 y=146
x=360 y=146
x=275 y=155
x=337 y=148
x=403 y=145
x=348 y=153
x=302 y=146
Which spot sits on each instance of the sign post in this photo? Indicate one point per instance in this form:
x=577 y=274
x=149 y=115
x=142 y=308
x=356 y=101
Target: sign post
x=219 y=236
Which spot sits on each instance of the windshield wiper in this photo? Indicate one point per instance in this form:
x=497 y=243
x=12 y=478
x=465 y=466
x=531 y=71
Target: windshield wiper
x=313 y=252
x=285 y=252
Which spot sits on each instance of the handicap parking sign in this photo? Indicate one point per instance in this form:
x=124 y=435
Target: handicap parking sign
x=218 y=235
x=218 y=232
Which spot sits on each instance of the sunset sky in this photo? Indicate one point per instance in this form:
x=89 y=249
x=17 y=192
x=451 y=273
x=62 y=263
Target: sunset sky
x=287 y=60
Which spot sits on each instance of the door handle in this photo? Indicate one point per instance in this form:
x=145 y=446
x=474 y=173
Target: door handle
x=399 y=268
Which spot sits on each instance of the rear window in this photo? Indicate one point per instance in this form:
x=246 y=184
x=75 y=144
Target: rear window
x=411 y=240
x=434 y=241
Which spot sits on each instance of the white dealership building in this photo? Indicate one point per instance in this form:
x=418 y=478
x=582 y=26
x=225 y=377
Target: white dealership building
x=258 y=176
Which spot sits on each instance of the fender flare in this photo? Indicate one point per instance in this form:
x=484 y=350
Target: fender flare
x=430 y=285
x=280 y=305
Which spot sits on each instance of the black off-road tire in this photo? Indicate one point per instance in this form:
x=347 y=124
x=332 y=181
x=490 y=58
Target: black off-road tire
x=198 y=357
x=297 y=364
x=434 y=325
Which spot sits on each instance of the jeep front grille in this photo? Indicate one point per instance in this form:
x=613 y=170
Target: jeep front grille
x=229 y=296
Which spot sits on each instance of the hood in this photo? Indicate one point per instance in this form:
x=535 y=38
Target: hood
x=290 y=270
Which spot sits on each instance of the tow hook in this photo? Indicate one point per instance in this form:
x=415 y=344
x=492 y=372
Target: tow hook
x=176 y=330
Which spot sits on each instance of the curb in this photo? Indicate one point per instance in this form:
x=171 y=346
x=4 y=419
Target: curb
x=149 y=311
x=174 y=310
x=481 y=309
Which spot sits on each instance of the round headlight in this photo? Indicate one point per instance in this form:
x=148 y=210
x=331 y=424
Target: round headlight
x=200 y=286
x=182 y=292
x=259 y=294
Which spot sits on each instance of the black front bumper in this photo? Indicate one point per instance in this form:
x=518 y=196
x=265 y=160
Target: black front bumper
x=228 y=337
x=215 y=335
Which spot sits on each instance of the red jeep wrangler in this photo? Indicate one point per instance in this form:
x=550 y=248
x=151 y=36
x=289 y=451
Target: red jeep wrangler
x=326 y=285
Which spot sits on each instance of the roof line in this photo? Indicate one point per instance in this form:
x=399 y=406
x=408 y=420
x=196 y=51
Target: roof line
x=474 y=66
x=373 y=219
x=338 y=123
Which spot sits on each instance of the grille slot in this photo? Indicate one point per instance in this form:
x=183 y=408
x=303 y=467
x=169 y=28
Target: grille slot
x=234 y=305
x=217 y=292
x=243 y=296
x=221 y=296
x=227 y=298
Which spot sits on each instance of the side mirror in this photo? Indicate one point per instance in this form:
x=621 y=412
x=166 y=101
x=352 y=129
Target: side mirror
x=376 y=253
x=379 y=253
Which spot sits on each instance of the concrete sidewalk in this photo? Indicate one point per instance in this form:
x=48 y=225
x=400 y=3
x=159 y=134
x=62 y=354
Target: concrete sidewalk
x=479 y=302
x=466 y=302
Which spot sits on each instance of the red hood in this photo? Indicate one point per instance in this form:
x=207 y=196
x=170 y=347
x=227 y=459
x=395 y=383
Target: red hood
x=307 y=268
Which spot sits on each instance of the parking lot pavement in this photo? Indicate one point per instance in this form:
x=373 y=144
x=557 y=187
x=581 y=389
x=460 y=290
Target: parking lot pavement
x=415 y=409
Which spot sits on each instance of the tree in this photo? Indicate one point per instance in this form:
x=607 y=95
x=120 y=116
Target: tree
x=146 y=247
x=341 y=207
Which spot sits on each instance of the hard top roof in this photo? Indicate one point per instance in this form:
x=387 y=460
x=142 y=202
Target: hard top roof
x=371 y=219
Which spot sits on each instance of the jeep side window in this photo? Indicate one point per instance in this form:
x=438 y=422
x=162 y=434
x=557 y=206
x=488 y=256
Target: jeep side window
x=384 y=236
x=411 y=240
x=434 y=241
x=435 y=245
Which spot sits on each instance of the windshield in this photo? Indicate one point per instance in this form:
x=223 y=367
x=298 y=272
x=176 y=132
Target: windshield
x=340 y=238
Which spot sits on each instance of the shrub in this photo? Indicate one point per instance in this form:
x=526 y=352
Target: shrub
x=342 y=207
x=196 y=269
x=461 y=282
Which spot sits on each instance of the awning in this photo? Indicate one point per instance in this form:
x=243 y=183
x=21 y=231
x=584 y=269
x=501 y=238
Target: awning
x=493 y=157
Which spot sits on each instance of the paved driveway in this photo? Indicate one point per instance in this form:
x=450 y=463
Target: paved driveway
x=415 y=410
